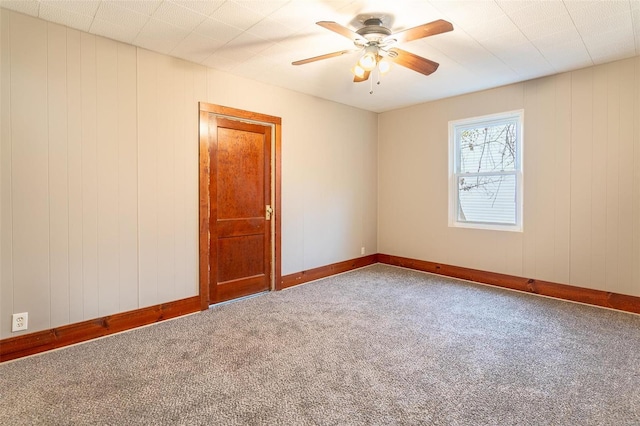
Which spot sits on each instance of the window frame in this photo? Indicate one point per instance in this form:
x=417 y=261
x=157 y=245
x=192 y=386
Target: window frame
x=456 y=126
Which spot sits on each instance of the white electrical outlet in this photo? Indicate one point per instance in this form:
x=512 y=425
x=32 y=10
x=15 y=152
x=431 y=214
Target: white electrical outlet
x=362 y=250
x=20 y=322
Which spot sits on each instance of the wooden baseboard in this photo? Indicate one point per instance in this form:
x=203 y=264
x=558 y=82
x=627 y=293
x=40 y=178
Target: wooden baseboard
x=605 y=299
x=326 y=271
x=40 y=341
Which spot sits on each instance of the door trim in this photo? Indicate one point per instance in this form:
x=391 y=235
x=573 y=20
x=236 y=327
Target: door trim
x=204 y=175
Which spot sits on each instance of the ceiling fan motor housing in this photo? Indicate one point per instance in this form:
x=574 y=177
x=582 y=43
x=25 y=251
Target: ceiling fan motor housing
x=373 y=30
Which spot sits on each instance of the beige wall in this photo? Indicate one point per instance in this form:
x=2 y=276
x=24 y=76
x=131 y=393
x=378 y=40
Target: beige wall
x=581 y=181
x=99 y=174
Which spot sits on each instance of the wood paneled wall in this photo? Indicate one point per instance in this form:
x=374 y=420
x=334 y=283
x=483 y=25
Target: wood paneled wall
x=581 y=181
x=99 y=175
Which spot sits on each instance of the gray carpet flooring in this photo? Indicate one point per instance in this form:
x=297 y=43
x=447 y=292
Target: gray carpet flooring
x=376 y=346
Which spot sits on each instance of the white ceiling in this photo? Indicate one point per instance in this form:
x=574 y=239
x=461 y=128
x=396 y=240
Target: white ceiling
x=494 y=42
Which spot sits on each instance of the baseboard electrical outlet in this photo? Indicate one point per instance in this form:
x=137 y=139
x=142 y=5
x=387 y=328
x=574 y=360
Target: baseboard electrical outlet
x=19 y=322
x=362 y=250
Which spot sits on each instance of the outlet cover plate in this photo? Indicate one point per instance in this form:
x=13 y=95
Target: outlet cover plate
x=19 y=322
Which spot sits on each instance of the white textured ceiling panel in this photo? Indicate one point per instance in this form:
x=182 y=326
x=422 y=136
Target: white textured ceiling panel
x=271 y=29
x=218 y=30
x=237 y=15
x=196 y=48
x=28 y=7
x=50 y=11
x=263 y=7
x=116 y=14
x=144 y=7
x=83 y=7
x=564 y=50
x=494 y=42
x=220 y=63
x=160 y=36
x=179 y=16
x=202 y=7
x=125 y=34
x=636 y=28
x=538 y=16
x=244 y=46
x=467 y=13
x=499 y=26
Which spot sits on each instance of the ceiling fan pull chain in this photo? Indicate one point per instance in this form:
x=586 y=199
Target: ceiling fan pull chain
x=371 y=86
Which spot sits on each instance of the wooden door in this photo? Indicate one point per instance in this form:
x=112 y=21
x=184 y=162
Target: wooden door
x=240 y=192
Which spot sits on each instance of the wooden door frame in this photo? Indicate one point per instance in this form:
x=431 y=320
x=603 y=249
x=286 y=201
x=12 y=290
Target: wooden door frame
x=204 y=173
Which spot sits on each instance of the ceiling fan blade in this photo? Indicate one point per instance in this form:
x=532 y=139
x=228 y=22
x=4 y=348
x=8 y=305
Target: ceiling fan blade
x=421 y=31
x=413 y=62
x=343 y=31
x=365 y=77
x=318 y=58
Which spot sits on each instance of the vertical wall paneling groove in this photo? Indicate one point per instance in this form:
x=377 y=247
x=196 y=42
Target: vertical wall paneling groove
x=74 y=164
x=127 y=179
x=148 y=145
x=599 y=144
x=626 y=165
x=107 y=130
x=88 y=78
x=168 y=97
x=6 y=213
x=193 y=89
x=58 y=174
x=531 y=165
x=196 y=90
x=636 y=180
x=581 y=179
x=192 y=172
x=562 y=185
x=545 y=176
x=180 y=142
x=29 y=142
x=636 y=192
x=613 y=152
x=186 y=211
x=176 y=164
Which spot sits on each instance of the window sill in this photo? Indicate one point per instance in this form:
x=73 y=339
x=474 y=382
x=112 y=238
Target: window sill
x=486 y=226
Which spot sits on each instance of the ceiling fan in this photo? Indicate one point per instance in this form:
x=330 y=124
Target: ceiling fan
x=379 y=46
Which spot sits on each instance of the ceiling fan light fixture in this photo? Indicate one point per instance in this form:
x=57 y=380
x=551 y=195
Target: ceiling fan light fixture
x=384 y=66
x=358 y=71
x=369 y=60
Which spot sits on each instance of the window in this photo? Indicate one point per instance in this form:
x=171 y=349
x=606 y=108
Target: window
x=485 y=172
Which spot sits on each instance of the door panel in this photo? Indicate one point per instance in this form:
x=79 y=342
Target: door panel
x=240 y=191
x=241 y=171
x=240 y=257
